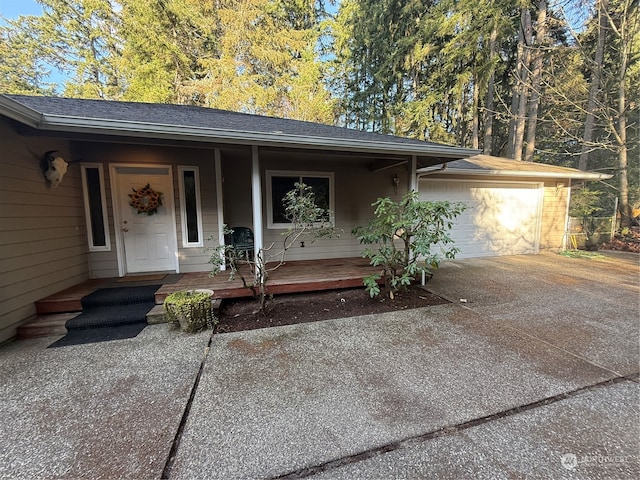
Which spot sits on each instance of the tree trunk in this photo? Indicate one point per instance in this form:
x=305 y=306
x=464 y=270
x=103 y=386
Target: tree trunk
x=489 y=99
x=519 y=98
x=625 y=39
x=596 y=75
x=536 y=80
x=521 y=119
x=475 y=120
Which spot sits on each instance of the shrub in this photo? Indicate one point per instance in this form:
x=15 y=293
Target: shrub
x=191 y=310
x=405 y=234
x=307 y=220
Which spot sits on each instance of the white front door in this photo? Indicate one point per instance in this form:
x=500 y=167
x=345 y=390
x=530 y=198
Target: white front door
x=148 y=242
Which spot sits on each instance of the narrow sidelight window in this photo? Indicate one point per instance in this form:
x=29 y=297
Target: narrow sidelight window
x=95 y=207
x=190 y=206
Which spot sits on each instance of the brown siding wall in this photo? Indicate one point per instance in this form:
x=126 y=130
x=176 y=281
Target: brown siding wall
x=43 y=247
x=356 y=188
x=554 y=211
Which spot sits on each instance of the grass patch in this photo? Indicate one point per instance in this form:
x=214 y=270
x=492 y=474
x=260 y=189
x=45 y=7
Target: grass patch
x=580 y=254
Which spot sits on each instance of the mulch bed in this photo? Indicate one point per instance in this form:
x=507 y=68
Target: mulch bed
x=242 y=314
x=625 y=243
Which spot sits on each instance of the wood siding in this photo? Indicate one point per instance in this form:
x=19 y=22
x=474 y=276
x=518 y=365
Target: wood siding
x=554 y=214
x=43 y=246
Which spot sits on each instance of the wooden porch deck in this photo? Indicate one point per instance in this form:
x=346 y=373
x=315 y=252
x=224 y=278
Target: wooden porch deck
x=292 y=277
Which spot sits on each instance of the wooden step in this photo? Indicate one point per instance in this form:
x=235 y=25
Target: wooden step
x=68 y=300
x=53 y=324
x=45 y=326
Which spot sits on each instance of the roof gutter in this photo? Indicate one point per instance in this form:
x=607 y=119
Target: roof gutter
x=62 y=123
x=578 y=175
x=19 y=112
x=424 y=172
x=216 y=135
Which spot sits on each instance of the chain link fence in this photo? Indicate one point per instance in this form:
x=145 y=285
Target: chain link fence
x=590 y=231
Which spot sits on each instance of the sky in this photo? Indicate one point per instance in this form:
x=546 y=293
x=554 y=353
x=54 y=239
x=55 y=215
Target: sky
x=14 y=8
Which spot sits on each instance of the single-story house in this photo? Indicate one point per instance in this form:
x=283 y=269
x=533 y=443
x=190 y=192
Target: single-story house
x=196 y=169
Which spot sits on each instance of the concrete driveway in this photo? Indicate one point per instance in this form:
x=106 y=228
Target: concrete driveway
x=535 y=375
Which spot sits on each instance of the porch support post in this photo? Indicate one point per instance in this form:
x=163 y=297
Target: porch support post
x=219 y=201
x=256 y=199
x=413 y=178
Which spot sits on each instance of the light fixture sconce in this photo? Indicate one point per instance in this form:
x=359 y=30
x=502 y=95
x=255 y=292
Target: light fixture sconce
x=396 y=182
x=559 y=186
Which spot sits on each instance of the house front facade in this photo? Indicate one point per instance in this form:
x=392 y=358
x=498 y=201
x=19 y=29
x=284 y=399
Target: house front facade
x=149 y=187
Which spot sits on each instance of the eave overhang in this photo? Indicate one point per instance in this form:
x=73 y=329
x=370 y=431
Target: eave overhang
x=83 y=125
x=575 y=175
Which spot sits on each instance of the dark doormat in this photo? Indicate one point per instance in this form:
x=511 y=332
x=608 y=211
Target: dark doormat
x=142 y=278
x=110 y=314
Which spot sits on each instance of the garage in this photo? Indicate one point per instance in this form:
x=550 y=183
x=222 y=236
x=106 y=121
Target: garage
x=502 y=218
x=513 y=207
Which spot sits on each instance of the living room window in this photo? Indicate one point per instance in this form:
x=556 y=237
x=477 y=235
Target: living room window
x=279 y=183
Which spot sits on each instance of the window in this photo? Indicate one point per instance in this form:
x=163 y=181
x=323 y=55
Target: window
x=279 y=183
x=95 y=209
x=191 y=214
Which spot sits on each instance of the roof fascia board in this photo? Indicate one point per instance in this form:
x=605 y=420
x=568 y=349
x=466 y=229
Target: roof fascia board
x=518 y=173
x=19 y=112
x=214 y=135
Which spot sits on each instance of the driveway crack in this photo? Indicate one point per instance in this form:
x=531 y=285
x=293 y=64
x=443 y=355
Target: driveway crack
x=444 y=431
x=175 y=445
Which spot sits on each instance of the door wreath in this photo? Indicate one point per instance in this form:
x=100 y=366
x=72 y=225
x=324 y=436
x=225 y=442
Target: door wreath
x=145 y=200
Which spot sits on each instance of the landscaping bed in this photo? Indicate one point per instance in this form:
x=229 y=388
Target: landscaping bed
x=242 y=314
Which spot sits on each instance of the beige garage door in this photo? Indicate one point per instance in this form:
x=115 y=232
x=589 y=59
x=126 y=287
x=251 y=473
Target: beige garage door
x=501 y=218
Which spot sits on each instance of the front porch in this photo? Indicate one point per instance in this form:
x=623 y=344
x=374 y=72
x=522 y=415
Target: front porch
x=292 y=277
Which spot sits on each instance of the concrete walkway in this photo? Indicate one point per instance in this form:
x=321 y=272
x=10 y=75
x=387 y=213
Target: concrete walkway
x=535 y=375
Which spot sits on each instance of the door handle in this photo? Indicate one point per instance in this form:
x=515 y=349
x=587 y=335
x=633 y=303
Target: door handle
x=125 y=229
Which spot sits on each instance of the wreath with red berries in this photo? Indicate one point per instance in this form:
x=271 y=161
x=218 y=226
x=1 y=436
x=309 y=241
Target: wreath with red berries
x=145 y=200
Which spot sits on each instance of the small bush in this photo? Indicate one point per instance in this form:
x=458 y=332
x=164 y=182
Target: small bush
x=405 y=234
x=190 y=310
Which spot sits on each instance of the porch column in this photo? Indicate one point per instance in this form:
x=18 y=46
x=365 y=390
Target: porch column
x=256 y=199
x=219 y=201
x=412 y=167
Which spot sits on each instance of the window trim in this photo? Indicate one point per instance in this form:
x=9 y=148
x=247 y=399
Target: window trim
x=296 y=173
x=87 y=208
x=183 y=207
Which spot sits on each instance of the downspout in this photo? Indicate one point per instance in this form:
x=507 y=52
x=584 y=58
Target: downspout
x=431 y=172
x=418 y=177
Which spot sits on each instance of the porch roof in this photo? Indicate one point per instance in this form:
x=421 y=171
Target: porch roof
x=207 y=125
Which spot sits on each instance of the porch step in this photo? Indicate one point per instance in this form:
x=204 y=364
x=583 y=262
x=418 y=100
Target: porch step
x=68 y=300
x=156 y=315
x=45 y=326
x=49 y=325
